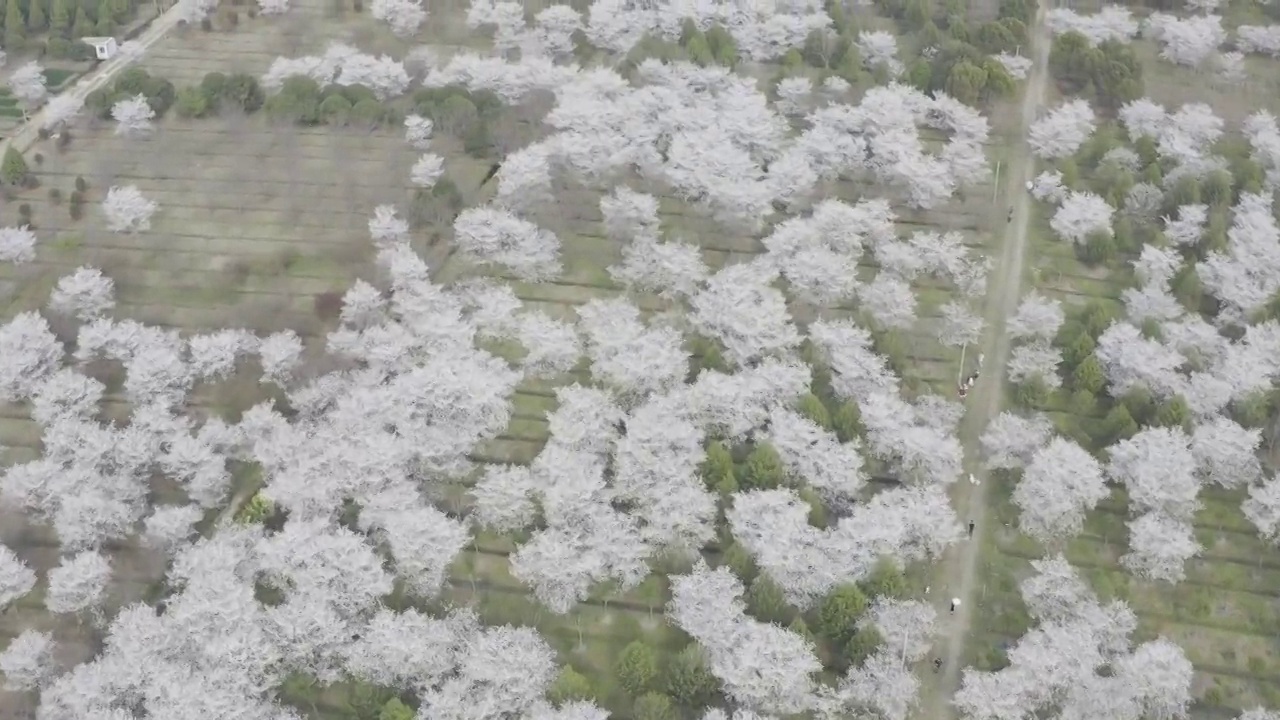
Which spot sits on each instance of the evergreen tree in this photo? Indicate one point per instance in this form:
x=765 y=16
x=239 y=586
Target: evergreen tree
x=395 y=709
x=763 y=469
x=14 y=27
x=966 y=82
x=722 y=45
x=637 y=668
x=654 y=706
x=766 y=601
x=839 y=612
x=13 y=168
x=1088 y=375
x=812 y=408
x=861 y=645
x=1173 y=412
x=848 y=421
x=105 y=25
x=688 y=680
x=739 y=561
x=60 y=17
x=36 y=19
x=717 y=467
x=699 y=51
x=886 y=580
x=82 y=25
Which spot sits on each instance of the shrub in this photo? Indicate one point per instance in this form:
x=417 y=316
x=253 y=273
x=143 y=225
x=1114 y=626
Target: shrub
x=243 y=91
x=358 y=5
x=99 y=102
x=257 y=510
x=76 y=203
x=297 y=102
x=328 y=305
x=39 y=158
x=64 y=140
x=24 y=210
x=55 y=196
x=30 y=182
x=206 y=25
x=367 y=112
x=191 y=103
x=336 y=110
x=81 y=184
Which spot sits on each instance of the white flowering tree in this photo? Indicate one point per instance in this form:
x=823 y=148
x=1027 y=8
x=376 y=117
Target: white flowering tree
x=16 y=579
x=1062 y=131
x=427 y=170
x=1061 y=483
x=1081 y=215
x=491 y=235
x=403 y=16
x=86 y=294
x=28 y=660
x=28 y=85
x=17 y=244
x=133 y=117
x=1010 y=441
x=127 y=210
x=78 y=584
x=62 y=111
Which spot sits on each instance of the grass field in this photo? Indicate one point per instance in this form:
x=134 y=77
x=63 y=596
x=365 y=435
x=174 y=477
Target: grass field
x=1225 y=614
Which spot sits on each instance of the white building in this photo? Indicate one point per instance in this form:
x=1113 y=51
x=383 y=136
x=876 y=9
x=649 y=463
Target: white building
x=104 y=48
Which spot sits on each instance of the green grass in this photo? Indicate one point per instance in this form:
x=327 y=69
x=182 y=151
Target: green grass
x=54 y=77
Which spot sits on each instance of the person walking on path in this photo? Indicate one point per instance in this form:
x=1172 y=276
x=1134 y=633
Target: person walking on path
x=970 y=528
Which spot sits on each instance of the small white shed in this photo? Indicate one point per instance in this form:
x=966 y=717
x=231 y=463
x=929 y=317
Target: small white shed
x=104 y=48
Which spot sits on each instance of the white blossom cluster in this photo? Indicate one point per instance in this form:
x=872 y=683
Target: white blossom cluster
x=1189 y=41
x=1111 y=23
x=761 y=31
x=1259 y=39
x=342 y=65
x=1079 y=658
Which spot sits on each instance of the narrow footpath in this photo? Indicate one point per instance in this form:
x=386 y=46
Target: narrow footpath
x=958 y=575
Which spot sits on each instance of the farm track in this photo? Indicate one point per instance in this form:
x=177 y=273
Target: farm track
x=960 y=567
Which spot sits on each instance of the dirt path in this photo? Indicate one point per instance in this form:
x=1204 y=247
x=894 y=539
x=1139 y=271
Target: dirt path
x=958 y=577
